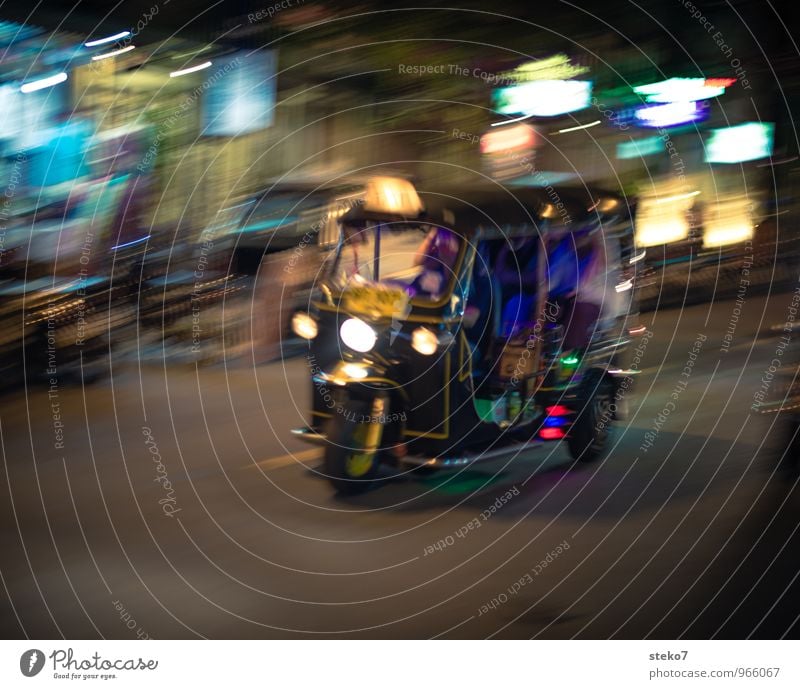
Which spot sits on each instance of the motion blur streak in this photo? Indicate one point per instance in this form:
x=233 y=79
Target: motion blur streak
x=313 y=315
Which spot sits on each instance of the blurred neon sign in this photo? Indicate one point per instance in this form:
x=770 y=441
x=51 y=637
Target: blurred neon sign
x=243 y=100
x=556 y=67
x=670 y=114
x=728 y=222
x=663 y=219
x=684 y=89
x=749 y=141
x=518 y=137
x=639 y=148
x=545 y=98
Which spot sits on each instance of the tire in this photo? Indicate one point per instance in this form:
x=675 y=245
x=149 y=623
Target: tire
x=588 y=437
x=348 y=470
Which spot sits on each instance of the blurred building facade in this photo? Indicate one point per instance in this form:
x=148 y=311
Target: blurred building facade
x=373 y=92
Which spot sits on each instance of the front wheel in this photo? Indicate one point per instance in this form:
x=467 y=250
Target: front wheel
x=352 y=456
x=588 y=437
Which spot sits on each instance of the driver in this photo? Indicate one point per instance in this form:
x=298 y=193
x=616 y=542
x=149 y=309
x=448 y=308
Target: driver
x=359 y=262
x=436 y=256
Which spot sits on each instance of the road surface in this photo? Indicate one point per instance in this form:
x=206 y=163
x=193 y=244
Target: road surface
x=172 y=502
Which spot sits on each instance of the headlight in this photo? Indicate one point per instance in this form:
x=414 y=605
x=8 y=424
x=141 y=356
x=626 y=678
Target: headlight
x=358 y=335
x=355 y=371
x=424 y=341
x=304 y=326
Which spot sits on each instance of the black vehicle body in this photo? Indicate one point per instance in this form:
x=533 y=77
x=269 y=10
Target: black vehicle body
x=440 y=410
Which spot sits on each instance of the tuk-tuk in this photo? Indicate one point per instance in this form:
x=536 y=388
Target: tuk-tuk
x=455 y=327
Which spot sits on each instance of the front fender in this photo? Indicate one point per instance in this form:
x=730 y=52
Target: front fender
x=361 y=375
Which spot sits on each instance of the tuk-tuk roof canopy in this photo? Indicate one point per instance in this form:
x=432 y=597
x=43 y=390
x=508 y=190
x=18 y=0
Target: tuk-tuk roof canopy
x=520 y=211
x=497 y=209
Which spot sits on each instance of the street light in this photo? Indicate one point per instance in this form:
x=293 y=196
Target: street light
x=43 y=83
x=189 y=70
x=107 y=39
x=113 y=53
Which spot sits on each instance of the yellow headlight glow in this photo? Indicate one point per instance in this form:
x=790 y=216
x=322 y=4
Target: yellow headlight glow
x=424 y=341
x=357 y=335
x=304 y=326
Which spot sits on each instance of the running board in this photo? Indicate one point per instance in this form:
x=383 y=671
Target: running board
x=472 y=457
x=310 y=436
x=623 y=372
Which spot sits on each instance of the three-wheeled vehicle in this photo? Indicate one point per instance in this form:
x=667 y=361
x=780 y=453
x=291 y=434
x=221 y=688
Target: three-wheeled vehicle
x=455 y=327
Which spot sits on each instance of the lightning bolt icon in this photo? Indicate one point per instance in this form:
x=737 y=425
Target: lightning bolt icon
x=401 y=309
x=32 y=660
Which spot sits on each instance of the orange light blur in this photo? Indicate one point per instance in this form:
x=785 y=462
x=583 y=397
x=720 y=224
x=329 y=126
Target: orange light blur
x=720 y=82
x=520 y=136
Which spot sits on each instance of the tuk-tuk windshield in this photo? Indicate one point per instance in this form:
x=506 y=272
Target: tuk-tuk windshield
x=418 y=259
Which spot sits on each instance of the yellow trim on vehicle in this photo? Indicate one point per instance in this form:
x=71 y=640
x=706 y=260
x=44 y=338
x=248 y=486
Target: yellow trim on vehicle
x=376 y=379
x=464 y=355
x=410 y=319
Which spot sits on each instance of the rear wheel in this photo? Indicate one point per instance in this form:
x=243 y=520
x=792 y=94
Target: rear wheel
x=352 y=456
x=589 y=435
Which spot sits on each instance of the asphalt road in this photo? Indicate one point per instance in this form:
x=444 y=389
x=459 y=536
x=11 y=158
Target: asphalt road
x=696 y=537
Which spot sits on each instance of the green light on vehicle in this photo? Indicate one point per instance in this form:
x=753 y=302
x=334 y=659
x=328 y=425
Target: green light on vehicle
x=570 y=360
